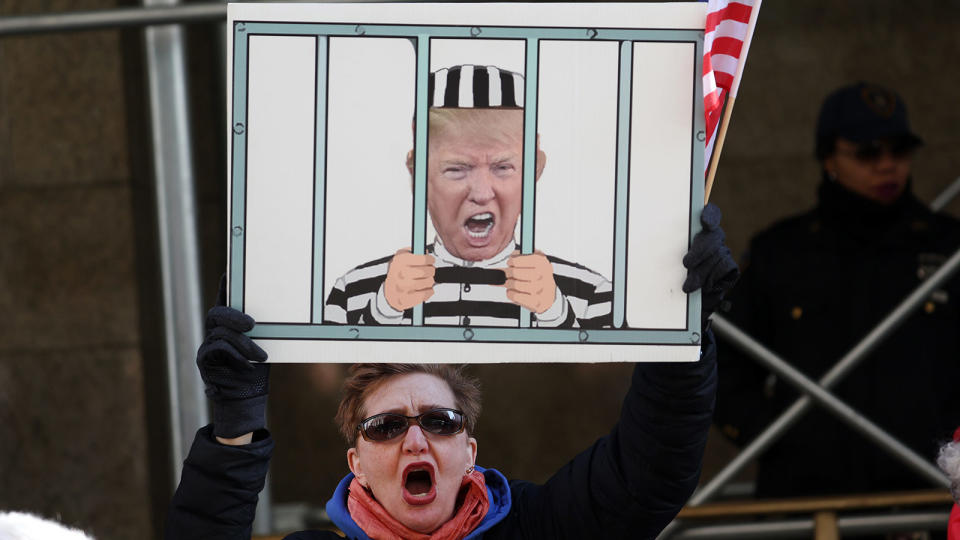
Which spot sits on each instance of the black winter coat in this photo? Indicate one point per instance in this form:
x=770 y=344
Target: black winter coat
x=814 y=285
x=629 y=484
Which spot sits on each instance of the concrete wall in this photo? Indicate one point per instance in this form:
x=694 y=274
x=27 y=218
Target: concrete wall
x=73 y=428
x=81 y=397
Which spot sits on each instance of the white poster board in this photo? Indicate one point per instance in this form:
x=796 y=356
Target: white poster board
x=328 y=160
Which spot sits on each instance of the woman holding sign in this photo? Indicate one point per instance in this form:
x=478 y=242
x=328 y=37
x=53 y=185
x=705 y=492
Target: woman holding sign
x=412 y=454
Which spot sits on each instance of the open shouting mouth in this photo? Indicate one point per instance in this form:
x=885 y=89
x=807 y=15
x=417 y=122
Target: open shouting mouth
x=478 y=226
x=419 y=487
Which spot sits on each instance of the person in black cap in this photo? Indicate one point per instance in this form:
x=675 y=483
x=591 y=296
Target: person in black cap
x=473 y=274
x=864 y=142
x=817 y=283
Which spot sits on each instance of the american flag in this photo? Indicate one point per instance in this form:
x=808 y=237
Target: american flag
x=725 y=42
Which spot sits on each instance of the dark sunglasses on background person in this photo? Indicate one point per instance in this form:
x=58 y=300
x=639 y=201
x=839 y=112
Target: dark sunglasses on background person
x=872 y=151
x=389 y=426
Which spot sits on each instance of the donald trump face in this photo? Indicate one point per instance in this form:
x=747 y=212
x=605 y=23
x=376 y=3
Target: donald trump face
x=475 y=178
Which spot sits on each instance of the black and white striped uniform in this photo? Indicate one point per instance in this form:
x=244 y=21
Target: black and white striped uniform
x=468 y=293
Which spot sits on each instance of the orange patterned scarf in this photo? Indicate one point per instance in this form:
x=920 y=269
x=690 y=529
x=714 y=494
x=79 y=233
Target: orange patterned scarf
x=379 y=525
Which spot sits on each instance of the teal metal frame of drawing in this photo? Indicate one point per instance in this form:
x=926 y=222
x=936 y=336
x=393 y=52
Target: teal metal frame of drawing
x=420 y=37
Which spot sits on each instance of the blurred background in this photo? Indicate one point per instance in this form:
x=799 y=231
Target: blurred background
x=85 y=428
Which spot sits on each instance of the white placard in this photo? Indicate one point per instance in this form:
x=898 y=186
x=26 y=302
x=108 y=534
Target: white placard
x=324 y=186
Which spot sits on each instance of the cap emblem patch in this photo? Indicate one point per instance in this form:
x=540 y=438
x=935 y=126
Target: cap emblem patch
x=879 y=100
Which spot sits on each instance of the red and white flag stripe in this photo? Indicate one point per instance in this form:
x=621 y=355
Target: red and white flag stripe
x=726 y=39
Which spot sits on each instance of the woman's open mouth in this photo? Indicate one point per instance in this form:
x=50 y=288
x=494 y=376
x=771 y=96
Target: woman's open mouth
x=478 y=227
x=418 y=486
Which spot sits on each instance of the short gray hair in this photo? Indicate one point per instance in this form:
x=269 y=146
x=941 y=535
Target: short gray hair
x=23 y=526
x=949 y=461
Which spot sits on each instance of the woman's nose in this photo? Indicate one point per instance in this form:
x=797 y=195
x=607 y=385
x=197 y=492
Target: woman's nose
x=414 y=440
x=886 y=160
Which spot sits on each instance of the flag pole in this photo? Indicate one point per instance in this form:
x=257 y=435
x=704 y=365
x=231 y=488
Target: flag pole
x=731 y=99
x=718 y=146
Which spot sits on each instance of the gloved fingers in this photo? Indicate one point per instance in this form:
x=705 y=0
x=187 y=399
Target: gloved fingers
x=717 y=268
x=710 y=217
x=710 y=266
x=240 y=342
x=240 y=385
x=218 y=354
x=691 y=283
x=718 y=272
x=705 y=245
x=227 y=384
x=696 y=277
x=726 y=273
x=229 y=318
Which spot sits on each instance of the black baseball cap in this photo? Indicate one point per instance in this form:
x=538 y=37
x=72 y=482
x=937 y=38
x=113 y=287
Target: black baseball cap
x=863 y=112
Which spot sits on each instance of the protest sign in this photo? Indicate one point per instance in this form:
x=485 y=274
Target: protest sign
x=335 y=167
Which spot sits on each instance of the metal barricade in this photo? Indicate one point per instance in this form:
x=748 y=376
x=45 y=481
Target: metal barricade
x=818 y=392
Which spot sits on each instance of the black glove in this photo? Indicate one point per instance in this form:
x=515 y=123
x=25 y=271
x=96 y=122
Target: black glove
x=710 y=266
x=232 y=368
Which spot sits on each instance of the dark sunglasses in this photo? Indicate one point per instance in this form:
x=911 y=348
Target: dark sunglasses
x=389 y=426
x=874 y=150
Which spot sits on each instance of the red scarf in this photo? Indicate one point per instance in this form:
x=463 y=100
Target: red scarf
x=953 y=527
x=379 y=525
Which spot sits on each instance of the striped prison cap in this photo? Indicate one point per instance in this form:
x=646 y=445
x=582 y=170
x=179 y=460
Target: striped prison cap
x=470 y=87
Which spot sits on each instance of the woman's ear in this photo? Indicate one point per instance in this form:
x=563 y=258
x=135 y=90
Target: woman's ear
x=471 y=451
x=830 y=167
x=353 y=461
